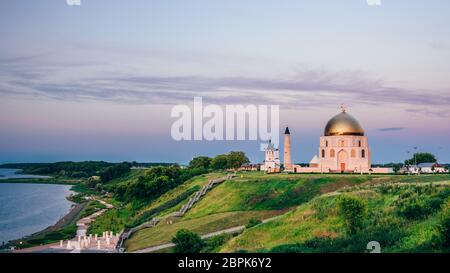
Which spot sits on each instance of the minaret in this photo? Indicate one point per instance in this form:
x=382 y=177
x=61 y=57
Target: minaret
x=287 y=150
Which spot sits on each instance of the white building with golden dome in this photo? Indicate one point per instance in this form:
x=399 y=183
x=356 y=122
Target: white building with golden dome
x=344 y=147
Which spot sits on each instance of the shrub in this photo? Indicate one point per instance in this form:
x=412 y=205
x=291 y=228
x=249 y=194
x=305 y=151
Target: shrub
x=253 y=222
x=444 y=225
x=421 y=202
x=187 y=241
x=213 y=243
x=354 y=211
x=414 y=209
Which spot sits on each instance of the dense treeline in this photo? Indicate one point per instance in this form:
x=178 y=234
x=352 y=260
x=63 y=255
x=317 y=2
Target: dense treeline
x=65 y=169
x=232 y=160
x=161 y=179
x=153 y=183
x=114 y=171
x=82 y=169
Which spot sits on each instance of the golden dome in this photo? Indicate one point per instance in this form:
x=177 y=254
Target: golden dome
x=343 y=124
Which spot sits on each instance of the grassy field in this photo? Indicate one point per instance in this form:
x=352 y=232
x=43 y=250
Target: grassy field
x=306 y=202
x=164 y=232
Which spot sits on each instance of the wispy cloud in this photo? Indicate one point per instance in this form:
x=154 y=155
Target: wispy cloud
x=391 y=129
x=433 y=112
x=91 y=80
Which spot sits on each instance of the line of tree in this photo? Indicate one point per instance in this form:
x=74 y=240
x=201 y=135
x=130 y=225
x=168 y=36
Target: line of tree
x=83 y=169
x=153 y=183
x=158 y=180
x=64 y=169
x=114 y=171
x=232 y=160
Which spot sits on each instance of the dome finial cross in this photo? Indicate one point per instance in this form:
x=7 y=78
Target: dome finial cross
x=343 y=108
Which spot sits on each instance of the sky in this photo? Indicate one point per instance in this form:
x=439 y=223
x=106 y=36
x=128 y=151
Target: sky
x=98 y=81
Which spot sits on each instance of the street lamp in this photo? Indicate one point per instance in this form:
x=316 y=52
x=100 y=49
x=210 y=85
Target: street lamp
x=415 y=161
x=408 y=165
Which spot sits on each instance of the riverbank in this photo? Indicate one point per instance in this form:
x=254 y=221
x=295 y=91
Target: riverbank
x=77 y=216
x=65 y=228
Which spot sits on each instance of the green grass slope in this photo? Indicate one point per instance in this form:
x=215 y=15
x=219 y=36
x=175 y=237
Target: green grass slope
x=249 y=195
x=403 y=217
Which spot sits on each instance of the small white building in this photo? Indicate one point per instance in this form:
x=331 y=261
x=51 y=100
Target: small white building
x=431 y=168
x=272 y=162
x=425 y=168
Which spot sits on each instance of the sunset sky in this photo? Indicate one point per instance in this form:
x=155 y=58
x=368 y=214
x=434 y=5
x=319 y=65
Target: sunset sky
x=98 y=81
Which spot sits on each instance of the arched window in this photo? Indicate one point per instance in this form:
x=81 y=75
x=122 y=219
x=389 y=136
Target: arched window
x=359 y=143
x=326 y=143
x=341 y=143
x=332 y=153
x=363 y=153
x=323 y=153
x=353 y=153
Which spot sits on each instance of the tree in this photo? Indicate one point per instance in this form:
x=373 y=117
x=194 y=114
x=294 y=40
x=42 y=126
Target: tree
x=219 y=162
x=354 y=211
x=200 y=162
x=236 y=159
x=114 y=171
x=396 y=168
x=421 y=158
x=187 y=241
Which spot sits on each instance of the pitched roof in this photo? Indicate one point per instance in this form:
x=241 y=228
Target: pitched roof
x=314 y=160
x=428 y=165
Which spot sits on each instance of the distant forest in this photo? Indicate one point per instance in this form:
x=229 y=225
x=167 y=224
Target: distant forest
x=82 y=169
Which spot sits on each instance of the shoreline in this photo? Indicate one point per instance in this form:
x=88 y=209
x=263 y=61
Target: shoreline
x=68 y=219
x=73 y=217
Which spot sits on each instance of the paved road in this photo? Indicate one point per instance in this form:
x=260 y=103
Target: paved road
x=205 y=236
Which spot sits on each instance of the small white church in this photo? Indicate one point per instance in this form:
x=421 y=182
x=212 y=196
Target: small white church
x=344 y=147
x=272 y=163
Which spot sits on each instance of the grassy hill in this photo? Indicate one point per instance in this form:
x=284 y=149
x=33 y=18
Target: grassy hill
x=307 y=205
x=403 y=217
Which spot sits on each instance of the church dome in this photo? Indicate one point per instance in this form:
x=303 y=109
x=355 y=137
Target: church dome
x=343 y=124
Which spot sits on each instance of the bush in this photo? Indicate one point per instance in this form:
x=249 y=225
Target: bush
x=354 y=211
x=213 y=243
x=187 y=241
x=420 y=202
x=444 y=225
x=253 y=222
